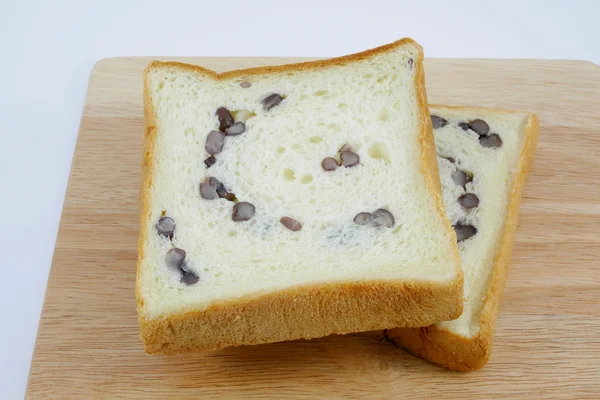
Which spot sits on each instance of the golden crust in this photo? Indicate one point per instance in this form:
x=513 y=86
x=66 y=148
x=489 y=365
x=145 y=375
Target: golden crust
x=305 y=312
x=458 y=352
x=146 y=183
x=300 y=66
x=310 y=311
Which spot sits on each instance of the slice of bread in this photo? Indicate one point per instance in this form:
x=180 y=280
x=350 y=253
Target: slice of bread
x=261 y=236
x=492 y=178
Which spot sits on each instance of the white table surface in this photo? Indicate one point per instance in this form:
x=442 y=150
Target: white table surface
x=48 y=48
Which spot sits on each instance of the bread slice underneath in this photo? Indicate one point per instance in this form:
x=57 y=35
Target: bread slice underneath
x=499 y=175
x=258 y=281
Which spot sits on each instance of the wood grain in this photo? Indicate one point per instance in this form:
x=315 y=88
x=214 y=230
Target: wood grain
x=548 y=338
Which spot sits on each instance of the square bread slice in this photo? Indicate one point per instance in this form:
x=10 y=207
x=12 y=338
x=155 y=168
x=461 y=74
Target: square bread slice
x=290 y=202
x=484 y=157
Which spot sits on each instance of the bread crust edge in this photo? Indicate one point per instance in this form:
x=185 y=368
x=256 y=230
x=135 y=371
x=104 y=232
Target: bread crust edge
x=301 y=312
x=377 y=304
x=448 y=349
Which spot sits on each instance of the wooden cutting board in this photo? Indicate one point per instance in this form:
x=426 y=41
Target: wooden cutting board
x=548 y=338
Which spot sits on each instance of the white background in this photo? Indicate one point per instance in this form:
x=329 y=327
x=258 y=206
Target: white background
x=48 y=49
